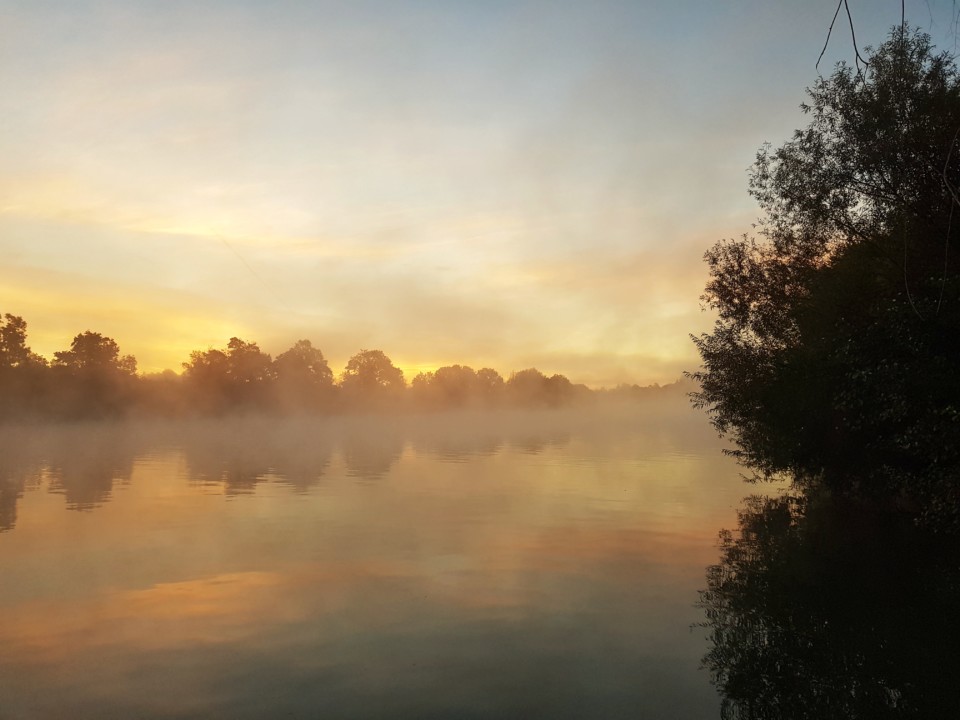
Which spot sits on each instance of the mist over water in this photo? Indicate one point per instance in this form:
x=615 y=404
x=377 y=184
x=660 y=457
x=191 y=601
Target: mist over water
x=472 y=564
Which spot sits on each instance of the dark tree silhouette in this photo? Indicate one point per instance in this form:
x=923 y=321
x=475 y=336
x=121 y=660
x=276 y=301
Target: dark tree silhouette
x=93 y=351
x=23 y=374
x=92 y=379
x=490 y=386
x=370 y=377
x=241 y=376
x=532 y=387
x=13 y=342
x=451 y=386
x=456 y=383
x=304 y=379
x=527 y=387
x=834 y=354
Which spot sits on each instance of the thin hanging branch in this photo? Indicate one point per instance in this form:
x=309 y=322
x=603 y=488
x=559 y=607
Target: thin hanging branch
x=829 y=33
x=955 y=202
x=859 y=59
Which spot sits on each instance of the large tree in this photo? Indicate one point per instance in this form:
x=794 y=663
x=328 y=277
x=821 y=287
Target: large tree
x=370 y=377
x=834 y=354
x=93 y=352
x=22 y=372
x=13 y=342
x=304 y=378
x=239 y=377
x=92 y=378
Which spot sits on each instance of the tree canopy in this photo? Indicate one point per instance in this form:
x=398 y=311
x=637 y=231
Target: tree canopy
x=834 y=351
x=93 y=352
x=92 y=379
x=370 y=375
x=13 y=342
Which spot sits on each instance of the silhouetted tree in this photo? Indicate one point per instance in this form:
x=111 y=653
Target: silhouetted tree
x=304 y=379
x=457 y=384
x=532 y=387
x=206 y=378
x=834 y=354
x=247 y=365
x=92 y=379
x=162 y=394
x=559 y=390
x=490 y=386
x=13 y=341
x=370 y=377
x=451 y=386
x=23 y=374
x=93 y=351
x=527 y=387
x=240 y=377
x=422 y=391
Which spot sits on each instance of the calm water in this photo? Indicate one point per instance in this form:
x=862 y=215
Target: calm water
x=522 y=565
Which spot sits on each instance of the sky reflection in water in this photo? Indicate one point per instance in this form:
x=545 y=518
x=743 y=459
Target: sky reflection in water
x=518 y=565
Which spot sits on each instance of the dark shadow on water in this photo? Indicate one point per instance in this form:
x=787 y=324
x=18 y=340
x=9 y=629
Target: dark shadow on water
x=833 y=608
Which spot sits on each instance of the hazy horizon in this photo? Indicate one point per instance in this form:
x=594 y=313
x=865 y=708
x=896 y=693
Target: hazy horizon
x=500 y=185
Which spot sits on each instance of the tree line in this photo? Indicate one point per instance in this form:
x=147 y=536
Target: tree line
x=93 y=379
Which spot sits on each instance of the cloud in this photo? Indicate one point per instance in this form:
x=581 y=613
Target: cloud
x=524 y=186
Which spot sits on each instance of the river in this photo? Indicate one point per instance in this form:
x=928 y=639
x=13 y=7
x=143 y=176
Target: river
x=471 y=565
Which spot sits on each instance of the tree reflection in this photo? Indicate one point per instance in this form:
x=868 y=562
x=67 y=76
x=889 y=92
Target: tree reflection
x=833 y=608
x=12 y=485
x=17 y=465
x=236 y=456
x=242 y=454
x=370 y=457
x=84 y=463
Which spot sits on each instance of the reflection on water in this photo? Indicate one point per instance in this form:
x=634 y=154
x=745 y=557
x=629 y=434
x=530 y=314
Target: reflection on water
x=518 y=565
x=829 y=608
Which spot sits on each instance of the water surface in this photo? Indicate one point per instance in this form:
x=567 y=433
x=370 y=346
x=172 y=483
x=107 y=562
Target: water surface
x=516 y=565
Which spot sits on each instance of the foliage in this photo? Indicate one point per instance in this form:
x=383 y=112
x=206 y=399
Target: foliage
x=93 y=352
x=21 y=371
x=13 y=342
x=370 y=377
x=92 y=379
x=834 y=352
x=304 y=364
x=238 y=376
x=304 y=378
x=453 y=386
x=532 y=387
x=489 y=385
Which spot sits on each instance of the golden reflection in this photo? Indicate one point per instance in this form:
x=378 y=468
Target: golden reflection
x=505 y=521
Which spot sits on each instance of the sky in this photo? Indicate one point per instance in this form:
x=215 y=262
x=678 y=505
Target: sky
x=491 y=183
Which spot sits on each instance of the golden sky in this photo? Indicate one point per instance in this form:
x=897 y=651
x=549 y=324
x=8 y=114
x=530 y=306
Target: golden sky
x=490 y=183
